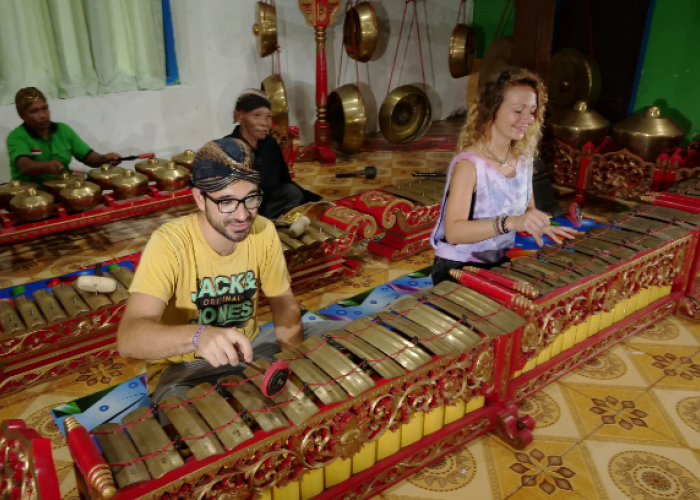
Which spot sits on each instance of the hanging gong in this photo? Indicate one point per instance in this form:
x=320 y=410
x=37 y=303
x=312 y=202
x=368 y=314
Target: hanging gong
x=347 y=117
x=265 y=28
x=573 y=77
x=361 y=26
x=462 y=50
x=274 y=87
x=496 y=59
x=405 y=114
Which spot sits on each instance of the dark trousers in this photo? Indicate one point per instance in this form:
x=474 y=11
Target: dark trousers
x=282 y=200
x=442 y=267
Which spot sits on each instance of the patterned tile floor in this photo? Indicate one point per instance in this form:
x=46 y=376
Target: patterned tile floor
x=625 y=425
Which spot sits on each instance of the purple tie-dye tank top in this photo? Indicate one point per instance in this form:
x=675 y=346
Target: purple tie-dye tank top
x=495 y=196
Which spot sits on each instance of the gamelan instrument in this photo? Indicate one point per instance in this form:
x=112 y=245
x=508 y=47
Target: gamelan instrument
x=356 y=398
x=265 y=28
x=360 y=31
x=49 y=328
x=405 y=113
x=573 y=77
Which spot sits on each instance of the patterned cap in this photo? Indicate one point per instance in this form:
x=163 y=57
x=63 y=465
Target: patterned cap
x=25 y=97
x=222 y=162
x=252 y=99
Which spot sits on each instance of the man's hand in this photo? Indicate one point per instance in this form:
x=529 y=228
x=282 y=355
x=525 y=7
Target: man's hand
x=113 y=158
x=54 y=167
x=219 y=346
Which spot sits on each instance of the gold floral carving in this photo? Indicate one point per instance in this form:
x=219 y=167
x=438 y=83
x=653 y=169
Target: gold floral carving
x=342 y=431
x=532 y=385
x=50 y=338
x=556 y=313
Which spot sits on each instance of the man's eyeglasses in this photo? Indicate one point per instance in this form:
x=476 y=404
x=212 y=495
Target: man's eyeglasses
x=230 y=205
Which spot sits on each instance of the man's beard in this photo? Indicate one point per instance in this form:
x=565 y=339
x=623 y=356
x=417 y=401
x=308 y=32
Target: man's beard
x=220 y=227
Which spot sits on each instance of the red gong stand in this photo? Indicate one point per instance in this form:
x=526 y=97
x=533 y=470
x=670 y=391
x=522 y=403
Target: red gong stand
x=320 y=14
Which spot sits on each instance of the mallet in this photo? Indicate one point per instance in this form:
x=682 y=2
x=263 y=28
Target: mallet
x=368 y=173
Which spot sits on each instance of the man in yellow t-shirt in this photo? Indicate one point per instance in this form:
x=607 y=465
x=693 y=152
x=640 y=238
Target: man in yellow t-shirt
x=194 y=298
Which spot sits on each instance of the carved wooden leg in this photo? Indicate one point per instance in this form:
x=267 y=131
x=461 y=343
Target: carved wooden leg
x=514 y=430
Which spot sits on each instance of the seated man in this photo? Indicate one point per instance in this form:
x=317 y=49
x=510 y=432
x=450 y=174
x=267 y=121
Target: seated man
x=41 y=149
x=253 y=114
x=194 y=298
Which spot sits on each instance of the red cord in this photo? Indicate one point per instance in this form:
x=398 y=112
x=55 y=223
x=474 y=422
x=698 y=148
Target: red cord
x=398 y=44
x=503 y=16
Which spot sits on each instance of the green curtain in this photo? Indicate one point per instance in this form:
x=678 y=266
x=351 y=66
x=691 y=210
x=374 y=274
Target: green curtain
x=70 y=48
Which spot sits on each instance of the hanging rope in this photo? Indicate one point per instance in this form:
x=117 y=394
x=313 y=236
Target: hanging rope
x=398 y=44
x=503 y=16
x=348 y=11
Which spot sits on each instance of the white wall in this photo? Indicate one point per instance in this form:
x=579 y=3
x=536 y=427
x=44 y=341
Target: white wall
x=217 y=59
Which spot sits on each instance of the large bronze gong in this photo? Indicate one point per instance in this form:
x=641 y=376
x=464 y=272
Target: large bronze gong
x=573 y=77
x=361 y=25
x=496 y=59
x=405 y=114
x=462 y=50
x=265 y=28
x=348 y=119
x=274 y=87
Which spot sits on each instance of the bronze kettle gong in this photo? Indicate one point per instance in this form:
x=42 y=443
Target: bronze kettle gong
x=405 y=114
x=32 y=205
x=103 y=175
x=81 y=196
x=185 y=159
x=648 y=134
x=54 y=186
x=360 y=33
x=172 y=178
x=462 y=50
x=274 y=87
x=150 y=166
x=13 y=188
x=347 y=118
x=130 y=185
x=578 y=126
x=265 y=29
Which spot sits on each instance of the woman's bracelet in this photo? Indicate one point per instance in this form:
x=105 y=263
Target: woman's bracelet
x=497 y=226
x=197 y=334
x=504 y=228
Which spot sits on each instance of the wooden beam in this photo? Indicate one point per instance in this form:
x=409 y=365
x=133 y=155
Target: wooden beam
x=533 y=32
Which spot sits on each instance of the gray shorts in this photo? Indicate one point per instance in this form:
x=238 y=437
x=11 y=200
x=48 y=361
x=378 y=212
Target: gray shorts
x=176 y=380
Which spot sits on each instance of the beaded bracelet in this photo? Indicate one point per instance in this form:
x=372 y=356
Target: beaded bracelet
x=197 y=334
x=496 y=226
x=504 y=228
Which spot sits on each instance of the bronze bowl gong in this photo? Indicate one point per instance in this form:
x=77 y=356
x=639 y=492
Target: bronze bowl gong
x=32 y=205
x=648 y=134
x=12 y=189
x=347 y=118
x=360 y=26
x=274 y=87
x=462 y=50
x=265 y=29
x=579 y=125
x=573 y=77
x=405 y=114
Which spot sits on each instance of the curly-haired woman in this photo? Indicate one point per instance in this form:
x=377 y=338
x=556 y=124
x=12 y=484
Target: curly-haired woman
x=488 y=194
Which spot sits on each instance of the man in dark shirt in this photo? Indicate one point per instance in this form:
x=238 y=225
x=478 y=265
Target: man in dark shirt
x=253 y=114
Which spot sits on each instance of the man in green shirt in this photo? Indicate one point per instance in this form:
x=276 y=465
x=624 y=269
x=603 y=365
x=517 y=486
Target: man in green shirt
x=41 y=149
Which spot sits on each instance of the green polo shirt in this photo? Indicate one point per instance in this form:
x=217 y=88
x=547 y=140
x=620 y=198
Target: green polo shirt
x=63 y=144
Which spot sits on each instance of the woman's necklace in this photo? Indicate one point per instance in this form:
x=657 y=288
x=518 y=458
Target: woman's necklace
x=492 y=156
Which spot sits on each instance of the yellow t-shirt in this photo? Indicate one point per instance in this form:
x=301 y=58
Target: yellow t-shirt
x=200 y=286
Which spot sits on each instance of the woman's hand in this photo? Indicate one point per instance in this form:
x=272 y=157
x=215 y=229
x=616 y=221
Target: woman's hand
x=533 y=221
x=556 y=233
